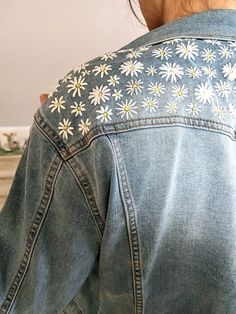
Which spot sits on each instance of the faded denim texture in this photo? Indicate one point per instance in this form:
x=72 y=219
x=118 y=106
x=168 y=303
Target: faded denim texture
x=133 y=210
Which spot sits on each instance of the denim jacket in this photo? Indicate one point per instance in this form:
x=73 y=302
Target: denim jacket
x=124 y=199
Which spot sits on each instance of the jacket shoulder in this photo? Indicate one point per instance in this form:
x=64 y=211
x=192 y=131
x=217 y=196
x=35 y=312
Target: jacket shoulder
x=186 y=77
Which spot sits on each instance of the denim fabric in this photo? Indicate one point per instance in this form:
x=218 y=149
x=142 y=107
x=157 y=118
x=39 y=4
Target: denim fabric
x=124 y=200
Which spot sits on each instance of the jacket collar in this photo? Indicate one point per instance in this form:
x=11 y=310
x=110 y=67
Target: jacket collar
x=211 y=24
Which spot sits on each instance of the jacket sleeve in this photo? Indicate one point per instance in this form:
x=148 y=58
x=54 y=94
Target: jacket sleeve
x=49 y=243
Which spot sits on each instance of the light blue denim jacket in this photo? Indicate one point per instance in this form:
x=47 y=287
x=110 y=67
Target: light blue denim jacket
x=124 y=200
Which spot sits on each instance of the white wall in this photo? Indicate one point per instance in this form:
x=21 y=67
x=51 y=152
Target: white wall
x=42 y=40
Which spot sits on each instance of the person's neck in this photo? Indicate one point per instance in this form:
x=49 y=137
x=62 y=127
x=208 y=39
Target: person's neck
x=172 y=13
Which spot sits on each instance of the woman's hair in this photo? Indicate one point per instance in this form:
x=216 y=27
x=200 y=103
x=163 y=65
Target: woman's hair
x=206 y=3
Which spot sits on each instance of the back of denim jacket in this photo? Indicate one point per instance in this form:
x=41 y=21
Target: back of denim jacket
x=124 y=200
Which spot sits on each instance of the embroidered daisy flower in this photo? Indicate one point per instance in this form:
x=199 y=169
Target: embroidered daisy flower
x=223 y=89
x=145 y=48
x=151 y=70
x=193 y=72
x=131 y=68
x=57 y=104
x=134 y=54
x=102 y=69
x=171 y=71
x=162 y=52
x=156 y=89
x=99 y=94
x=171 y=107
x=150 y=104
x=105 y=114
x=232 y=110
x=77 y=108
x=229 y=71
x=134 y=87
x=85 y=72
x=117 y=94
x=77 y=85
x=127 y=108
x=225 y=52
x=180 y=92
x=66 y=78
x=213 y=42
x=219 y=111
x=113 y=80
x=84 y=126
x=65 y=128
x=209 y=71
x=109 y=55
x=208 y=55
x=187 y=51
x=204 y=93
x=81 y=67
x=193 y=109
x=172 y=41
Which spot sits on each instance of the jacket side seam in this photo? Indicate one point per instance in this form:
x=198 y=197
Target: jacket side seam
x=86 y=188
x=36 y=226
x=132 y=229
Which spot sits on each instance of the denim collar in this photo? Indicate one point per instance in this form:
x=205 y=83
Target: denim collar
x=211 y=24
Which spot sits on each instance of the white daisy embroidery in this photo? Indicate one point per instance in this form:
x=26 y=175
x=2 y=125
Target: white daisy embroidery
x=223 y=89
x=151 y=70
x=172 y=41
x=208 y=55
x=77 y=85
x=109 y=55
x=179 y=92
x=127 y=108
x=85 y=72
x=84 y=126
x=213 y=42
x=113 y=80
x=187 y=51
x=66 y=78
x=105 y=114
x=144 y=48
x=171 y=107
x=117 y=94
x=232 y=110
x=134 y=54
x=219 y=111
x=229 y=71
x=134 y=87
x=65 y=128
x=132 y=68
x=225 y=52
x=156 y=89
x=204 y=93
x=102 y=69
x=99 y=94
x=171 y=71
x=193 y=109
x=193 y=72
x=150 y=104
x=78 y=108
x=81 y=67
x=163 y=52
x=57 y=104
x=209 y=71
